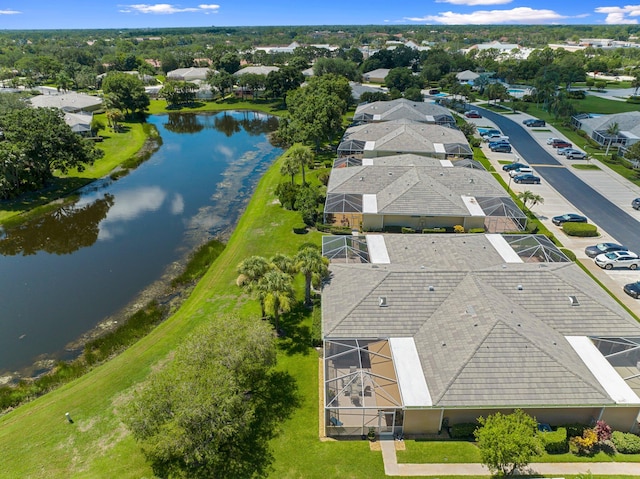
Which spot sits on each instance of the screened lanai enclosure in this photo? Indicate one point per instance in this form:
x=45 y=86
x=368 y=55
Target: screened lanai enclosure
x=345 y=249
x=361 y=388
x=502 y=214
x=624 y=355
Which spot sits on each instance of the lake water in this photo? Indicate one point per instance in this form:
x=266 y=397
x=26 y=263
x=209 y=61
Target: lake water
x=66 y=272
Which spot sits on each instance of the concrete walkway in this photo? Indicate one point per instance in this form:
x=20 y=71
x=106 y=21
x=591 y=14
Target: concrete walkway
x=392 y=468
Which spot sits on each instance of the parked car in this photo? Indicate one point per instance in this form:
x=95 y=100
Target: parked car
x=501 y=148
x=513 y=166
x=533 y=122
x=557 y=143
x=495 y=137
x=551 y=140
x=519 y=171
x=473 y=114
x=632 y=289
x=635 y=204
x=490 y=131
x=600 y=248
x=498 y=142
x=568 y=218
x=576 y=155
x=564 y=151
x=618 y=259
x=527 y=178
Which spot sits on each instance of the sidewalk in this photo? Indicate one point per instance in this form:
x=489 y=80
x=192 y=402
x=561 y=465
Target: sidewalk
x=392 y=468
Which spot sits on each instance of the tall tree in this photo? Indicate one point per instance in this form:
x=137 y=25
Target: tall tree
x=507 y=442
x=290 y=166
x=303 y=156
x=125 y=92
x=312 y=265
x=529 y=197
x=276 y=290
x=211 y=411
x=250 y=271
x=612 y=134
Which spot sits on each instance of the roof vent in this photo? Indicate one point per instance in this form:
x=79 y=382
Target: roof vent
x=431 y=288
x=362 y=178
x=520 y=288
x=382 y=301
x=573 y=301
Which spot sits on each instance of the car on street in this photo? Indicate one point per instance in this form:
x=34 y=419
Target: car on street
x=632 y=289
x=618 y=259
x=473 y=114
x=600 y=248
x=513 y=166
x=557 y=143
x=527 y=178
x=501 y=148
x=568 y=218
x=533 y=122
x=635 y=204
x=519 y=171
x=575 y=155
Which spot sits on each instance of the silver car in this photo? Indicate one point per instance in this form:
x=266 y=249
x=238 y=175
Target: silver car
x=618 y=259
x=575 y=155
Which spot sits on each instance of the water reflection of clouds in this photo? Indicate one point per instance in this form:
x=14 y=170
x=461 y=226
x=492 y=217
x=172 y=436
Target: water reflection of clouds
x=129 y=205
x=225 y=151
x=177 y=204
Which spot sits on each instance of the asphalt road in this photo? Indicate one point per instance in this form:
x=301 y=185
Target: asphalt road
x=598 y=209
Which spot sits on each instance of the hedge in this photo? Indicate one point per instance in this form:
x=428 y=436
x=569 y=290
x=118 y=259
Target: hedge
x=300 y=229
x=464 y=430
x=555 y=442
x=407 y=230
x=626 y=443
x=580 y=229
x=575 y=429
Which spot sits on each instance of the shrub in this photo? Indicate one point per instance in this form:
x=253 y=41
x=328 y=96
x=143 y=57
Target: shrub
x=603 y=431
x=633 y=99
x=576 y=94
x=585 y=445
x=300 y=229
x=476 y=230
x=568 y=253
x=434 y=230
x=464 y=430
x=340 y=230
x=626 y=443
x=575 y=429
x=582 y=230
x=458 y=229
x=407 y=230
x=323 y=177
x=555 y=442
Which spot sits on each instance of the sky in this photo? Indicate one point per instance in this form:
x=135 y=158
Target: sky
x=91 y=14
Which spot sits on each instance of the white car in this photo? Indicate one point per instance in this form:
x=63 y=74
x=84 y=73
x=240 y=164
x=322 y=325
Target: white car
x=551 y=140
x=519 y=171
x=495 y=137
x=618 y=259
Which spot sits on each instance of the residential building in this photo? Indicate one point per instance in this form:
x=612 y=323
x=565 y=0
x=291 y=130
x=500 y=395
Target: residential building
x=376 y=76
x=404 y=109
x=596 y=127
x=188 y=74
x=422 y=332
x=70 y=102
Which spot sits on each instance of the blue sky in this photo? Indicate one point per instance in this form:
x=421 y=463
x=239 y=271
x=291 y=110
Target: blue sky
x=52 y=14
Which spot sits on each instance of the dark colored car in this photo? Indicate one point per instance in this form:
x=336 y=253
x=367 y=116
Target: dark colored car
x=513 y=166
x=568 y=218
x=499 y=142
x=596 y=249
x=561 y=144
x=633 y=289
x=527 y=178
x=473 y=114
x=635 y=204
x=533 y=122
x=501 y=148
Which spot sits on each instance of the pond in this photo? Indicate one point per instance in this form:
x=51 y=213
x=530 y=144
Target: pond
x=71 y=270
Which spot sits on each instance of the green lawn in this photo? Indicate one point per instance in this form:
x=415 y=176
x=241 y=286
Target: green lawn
x=434 y=452
x=268 y=106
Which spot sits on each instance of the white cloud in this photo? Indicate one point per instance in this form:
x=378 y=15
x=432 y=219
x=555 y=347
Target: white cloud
x=473 y=3
x=620 y=15
x=168 y=8
x=488 y=17
x=9 y=12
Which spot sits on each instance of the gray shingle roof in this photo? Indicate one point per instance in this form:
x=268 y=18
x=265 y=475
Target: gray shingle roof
x=487 y=333
x=402 y=109
x=426 y=188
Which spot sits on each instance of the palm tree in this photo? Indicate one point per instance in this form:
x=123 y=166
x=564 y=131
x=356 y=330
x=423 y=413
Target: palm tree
x=612 y=132
x=275 y=289
x=530 y=197
x=284 y=263
x=312 y=265
x=289 y=167
x=302 y=155
x=250 y=271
